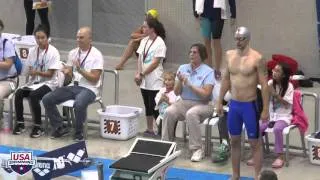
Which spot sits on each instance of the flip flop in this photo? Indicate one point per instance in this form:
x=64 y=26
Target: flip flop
x=278 y=163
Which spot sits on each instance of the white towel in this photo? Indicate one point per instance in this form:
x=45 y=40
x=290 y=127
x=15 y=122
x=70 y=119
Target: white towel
x=223 y=6
x=199 y=6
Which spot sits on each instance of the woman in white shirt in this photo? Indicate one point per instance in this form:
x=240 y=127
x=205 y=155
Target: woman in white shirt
x=43 y=61
x=152 y=51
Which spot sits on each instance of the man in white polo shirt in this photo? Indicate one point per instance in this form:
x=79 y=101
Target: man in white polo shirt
x=85 y=65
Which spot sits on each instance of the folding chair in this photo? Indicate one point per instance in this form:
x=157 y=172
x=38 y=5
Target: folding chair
x=209 y=123
x=286 y=132
x=10 y=99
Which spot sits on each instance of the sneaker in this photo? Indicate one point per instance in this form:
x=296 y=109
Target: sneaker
x=222 y=155
x=60 y=132
x=78 y=137
x=19 y=128
x=197 y=155
x=37 y=132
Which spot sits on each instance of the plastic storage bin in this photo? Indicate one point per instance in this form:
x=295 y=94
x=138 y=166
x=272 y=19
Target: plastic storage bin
x=314 y=149
x=119 y=122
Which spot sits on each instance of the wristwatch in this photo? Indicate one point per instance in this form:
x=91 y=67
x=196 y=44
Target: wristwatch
x=141 y=74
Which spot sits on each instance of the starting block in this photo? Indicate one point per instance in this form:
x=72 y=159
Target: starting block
x=146 y=160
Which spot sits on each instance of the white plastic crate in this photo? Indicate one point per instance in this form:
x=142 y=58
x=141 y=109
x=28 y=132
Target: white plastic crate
x=314 y=149
x=119 y=122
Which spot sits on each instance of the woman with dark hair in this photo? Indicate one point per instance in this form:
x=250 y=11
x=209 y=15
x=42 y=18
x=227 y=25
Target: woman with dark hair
x=194 y=84
x=152 y=51
x=280 y=108
x=43 y=61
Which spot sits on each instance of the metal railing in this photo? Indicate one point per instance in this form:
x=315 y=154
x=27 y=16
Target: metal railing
x=116 y=84
x=316 y=106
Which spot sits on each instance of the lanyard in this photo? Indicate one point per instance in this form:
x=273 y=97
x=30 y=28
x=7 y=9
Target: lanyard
x=79 y=53
x=36 y=64
x=144 y=49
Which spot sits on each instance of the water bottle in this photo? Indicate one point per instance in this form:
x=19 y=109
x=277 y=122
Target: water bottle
x=6 y=125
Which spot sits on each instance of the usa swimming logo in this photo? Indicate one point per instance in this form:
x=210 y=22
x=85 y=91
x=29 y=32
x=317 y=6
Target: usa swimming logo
x=21 y=162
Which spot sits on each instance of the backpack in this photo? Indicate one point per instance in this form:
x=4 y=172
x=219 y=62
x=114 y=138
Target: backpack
x=16 y=60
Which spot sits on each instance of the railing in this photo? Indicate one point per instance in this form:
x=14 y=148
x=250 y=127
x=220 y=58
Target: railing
x=316 y=106
x=116 y=84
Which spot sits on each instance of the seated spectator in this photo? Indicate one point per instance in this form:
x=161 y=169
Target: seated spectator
x=7 y=68
x=268 y=175
x=280 y=108
x=135 y=39
x=43 y=61
x=152 y=51
x=194 y=83
x=85 y=65
x=165 y=97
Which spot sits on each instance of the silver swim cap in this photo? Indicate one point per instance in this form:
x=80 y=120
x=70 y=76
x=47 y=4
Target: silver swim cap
x=242 y=32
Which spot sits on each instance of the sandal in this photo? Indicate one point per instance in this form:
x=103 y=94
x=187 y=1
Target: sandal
x=278 y=163
x=250 y=162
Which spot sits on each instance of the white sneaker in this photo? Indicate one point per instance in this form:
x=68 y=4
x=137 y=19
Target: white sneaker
x=197 y=155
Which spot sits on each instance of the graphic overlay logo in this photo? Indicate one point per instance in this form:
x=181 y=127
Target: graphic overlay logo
x=21 y=162
x=43 y=169
x=65 y=160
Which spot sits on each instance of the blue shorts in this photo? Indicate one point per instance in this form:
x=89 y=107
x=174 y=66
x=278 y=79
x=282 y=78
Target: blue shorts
x=243 y=112
x=211 y=28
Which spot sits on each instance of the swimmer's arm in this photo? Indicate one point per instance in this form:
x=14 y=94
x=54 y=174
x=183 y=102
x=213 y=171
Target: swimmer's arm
x=225 y=83
x=262 y=76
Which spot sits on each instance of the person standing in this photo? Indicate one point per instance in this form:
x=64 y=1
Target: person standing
x=152 y=51
x=30 y=15
x=212 y=16
x=245 y=69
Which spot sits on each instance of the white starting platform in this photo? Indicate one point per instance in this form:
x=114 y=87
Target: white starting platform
x=146 y=160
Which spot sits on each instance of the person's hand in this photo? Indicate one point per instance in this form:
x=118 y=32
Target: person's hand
x=76 y=64
x=186 y=82
x=264 y=115
x=219 y=109
x=138 y=79
x=180 y=76
x=272 y=91
x=33 y=72
x=164 y=98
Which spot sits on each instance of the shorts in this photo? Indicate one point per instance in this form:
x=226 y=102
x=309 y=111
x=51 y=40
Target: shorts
x=243 y=112
x=211 y=28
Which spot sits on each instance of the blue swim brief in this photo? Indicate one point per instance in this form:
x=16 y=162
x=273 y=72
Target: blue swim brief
x=243 y=112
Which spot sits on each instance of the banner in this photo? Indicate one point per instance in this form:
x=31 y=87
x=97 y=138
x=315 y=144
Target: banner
x=64 y=161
